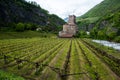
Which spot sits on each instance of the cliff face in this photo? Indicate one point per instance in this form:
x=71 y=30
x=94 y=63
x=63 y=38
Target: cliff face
x=25 y=12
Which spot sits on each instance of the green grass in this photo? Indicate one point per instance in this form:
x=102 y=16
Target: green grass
x=63 y=55
x=9 y=76
x=26 y=34
x=75 y=63
x=57 y=62
x=109 y=50
x=97 y=66
x=88 y=20
x=105 y=7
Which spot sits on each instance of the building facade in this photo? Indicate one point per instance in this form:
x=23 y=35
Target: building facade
x=70 y=28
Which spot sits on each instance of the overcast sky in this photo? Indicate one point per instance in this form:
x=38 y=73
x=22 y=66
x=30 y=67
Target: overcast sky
x=63 y=8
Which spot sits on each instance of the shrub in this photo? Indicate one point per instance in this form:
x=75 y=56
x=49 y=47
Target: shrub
x=28 y=26
x=111 y=35
x=101 y=35
x=117 y=39
x=20 y=27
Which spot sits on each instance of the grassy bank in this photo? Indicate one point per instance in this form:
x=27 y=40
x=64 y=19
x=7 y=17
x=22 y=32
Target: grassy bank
x=9 y=76
x=26 y=34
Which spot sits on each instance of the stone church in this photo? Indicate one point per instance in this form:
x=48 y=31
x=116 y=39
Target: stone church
x=70 y=28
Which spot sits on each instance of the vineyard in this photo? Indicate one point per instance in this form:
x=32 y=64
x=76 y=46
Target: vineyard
x=59 y=59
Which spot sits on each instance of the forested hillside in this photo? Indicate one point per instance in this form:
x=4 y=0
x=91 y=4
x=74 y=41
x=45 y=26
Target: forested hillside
x=103 y=8
x=102 y=21
x=30 y=14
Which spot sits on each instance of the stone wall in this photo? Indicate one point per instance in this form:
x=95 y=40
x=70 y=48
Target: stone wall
x=70 y=28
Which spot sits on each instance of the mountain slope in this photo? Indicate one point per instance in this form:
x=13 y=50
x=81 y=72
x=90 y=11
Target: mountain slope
x=103 y=8
x=15 y=11
x=102 y=21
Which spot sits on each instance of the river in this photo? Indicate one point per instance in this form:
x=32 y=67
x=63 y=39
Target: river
x=109 y=44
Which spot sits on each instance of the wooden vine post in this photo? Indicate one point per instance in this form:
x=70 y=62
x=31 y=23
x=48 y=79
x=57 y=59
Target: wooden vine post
x=5 y=59
x=19 y=62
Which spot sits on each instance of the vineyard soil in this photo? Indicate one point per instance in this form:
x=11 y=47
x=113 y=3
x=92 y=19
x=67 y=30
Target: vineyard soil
x=58 y=59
